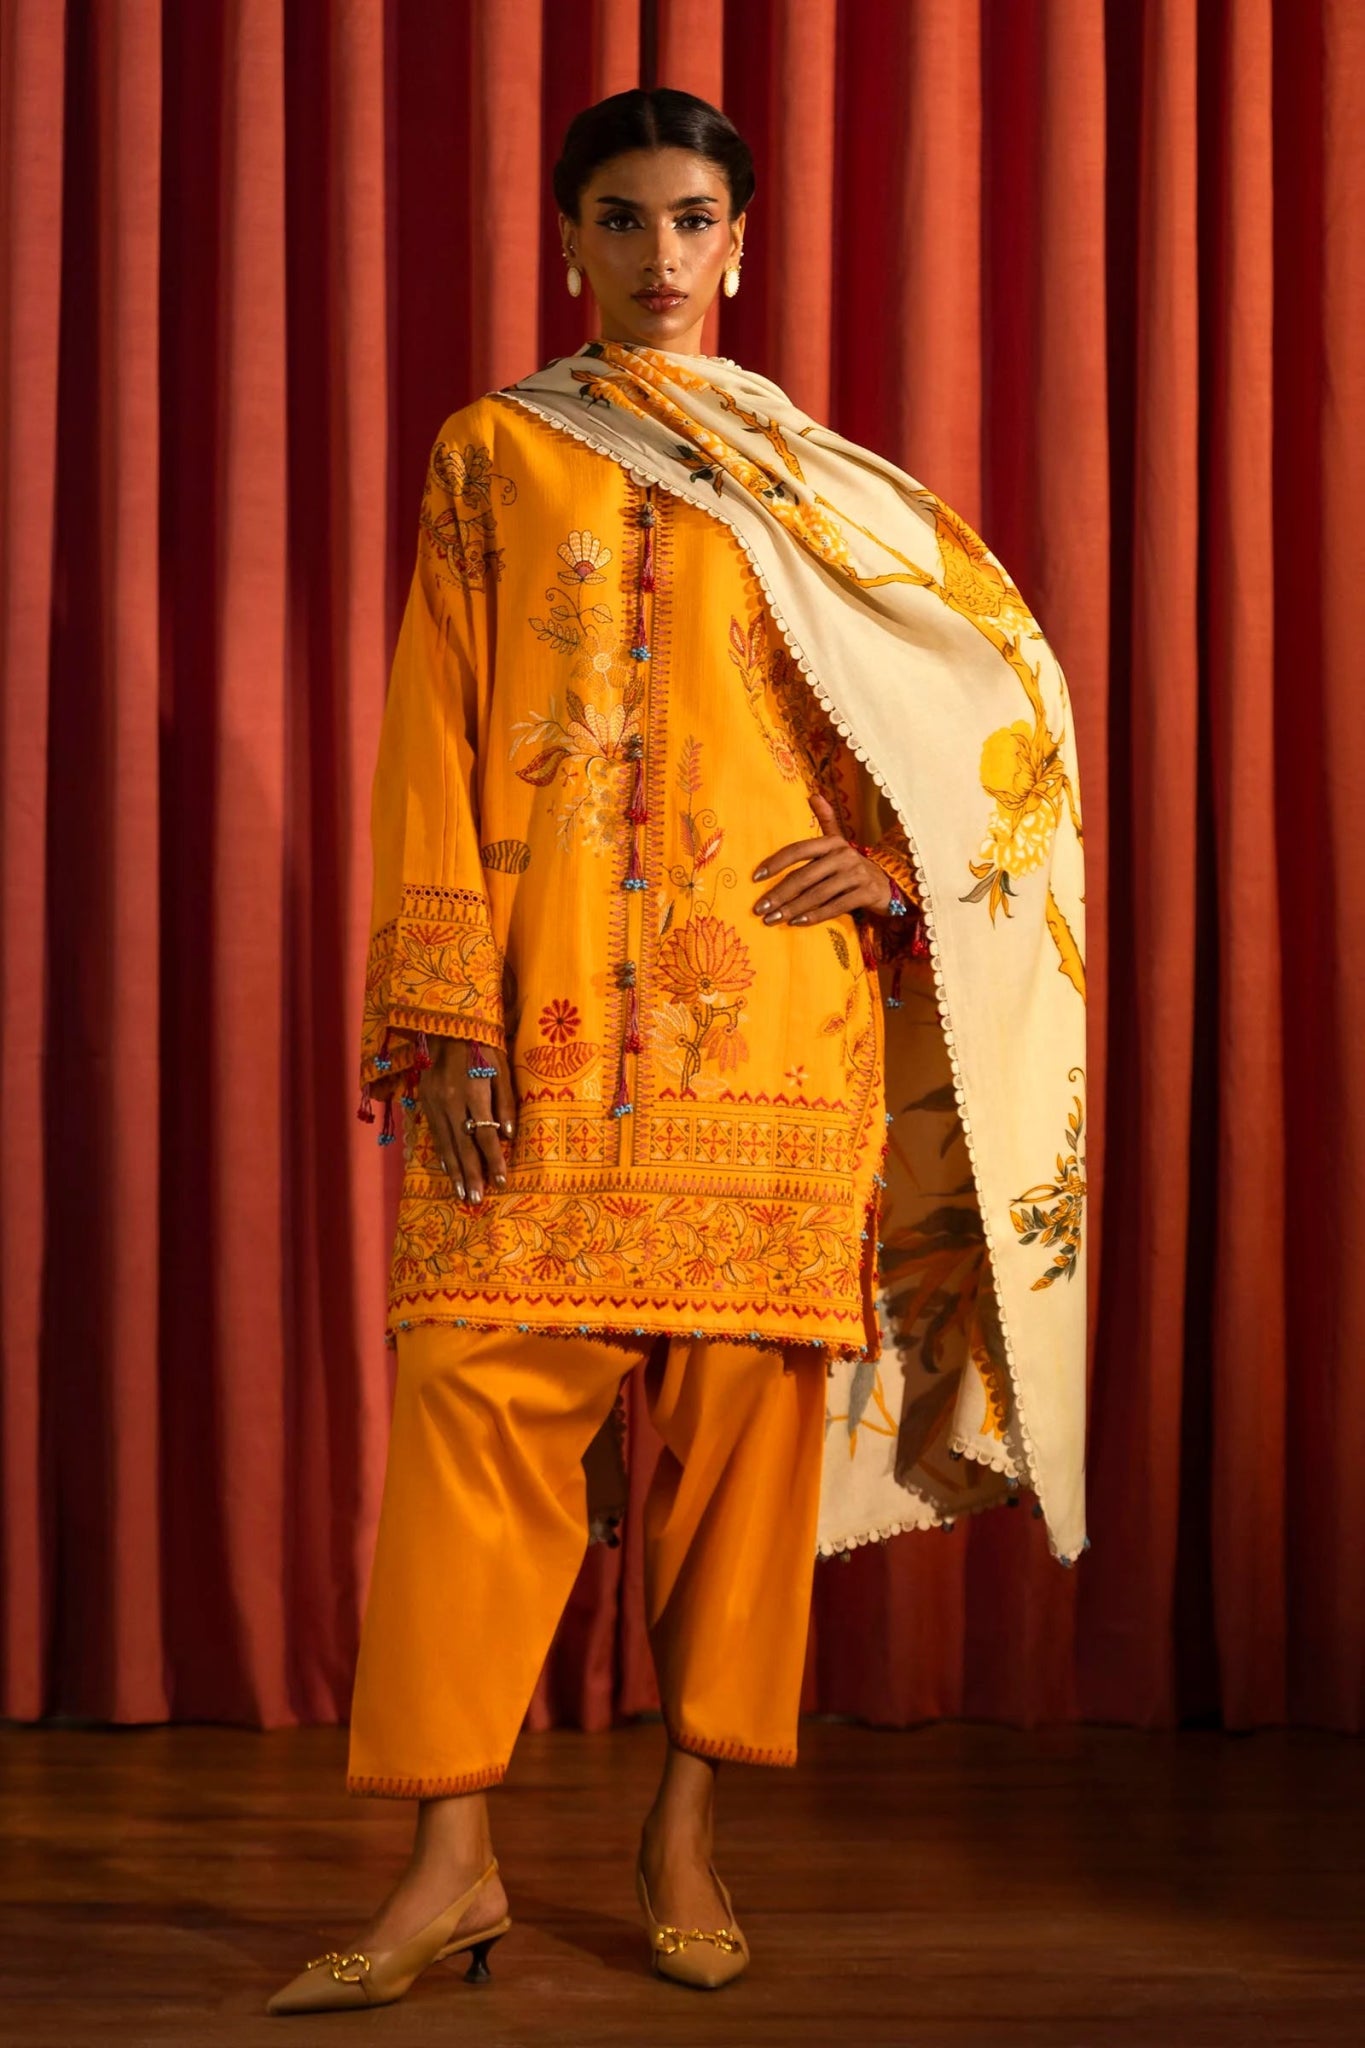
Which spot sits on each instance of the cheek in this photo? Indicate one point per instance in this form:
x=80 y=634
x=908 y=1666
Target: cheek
x=609 y=255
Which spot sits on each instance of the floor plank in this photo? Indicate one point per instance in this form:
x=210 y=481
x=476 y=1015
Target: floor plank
x=948 y=1886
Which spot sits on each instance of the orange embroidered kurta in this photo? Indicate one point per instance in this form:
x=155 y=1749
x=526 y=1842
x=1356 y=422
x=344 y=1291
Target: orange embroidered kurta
x=593 y=735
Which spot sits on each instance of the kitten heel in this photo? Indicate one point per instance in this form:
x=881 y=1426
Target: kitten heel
x=478 y=1971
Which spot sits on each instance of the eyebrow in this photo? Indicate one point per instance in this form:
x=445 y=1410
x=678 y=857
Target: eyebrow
x=675 y=206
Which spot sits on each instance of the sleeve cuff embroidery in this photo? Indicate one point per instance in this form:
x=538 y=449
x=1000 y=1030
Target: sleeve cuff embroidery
x=435 y=967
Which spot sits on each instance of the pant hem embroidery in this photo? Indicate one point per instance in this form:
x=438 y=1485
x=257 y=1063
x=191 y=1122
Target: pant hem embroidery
x=721 y=1749
x=426 y=1788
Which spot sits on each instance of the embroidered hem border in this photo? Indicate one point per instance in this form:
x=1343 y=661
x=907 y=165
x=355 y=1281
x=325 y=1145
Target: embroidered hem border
x=364 y=1787
x=845 y=1345
x=724 y=1749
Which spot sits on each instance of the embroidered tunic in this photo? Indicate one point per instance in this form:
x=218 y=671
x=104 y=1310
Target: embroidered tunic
x=593 y=734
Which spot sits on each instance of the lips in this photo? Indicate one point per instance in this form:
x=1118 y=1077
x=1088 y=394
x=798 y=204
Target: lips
x=659 y=302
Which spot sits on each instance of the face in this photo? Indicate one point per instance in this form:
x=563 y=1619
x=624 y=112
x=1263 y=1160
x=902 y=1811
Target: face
x=648 y=221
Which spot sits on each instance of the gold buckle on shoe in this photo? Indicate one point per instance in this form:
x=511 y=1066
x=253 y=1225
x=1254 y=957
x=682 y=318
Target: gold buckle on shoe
x=340 y=1965
x=668 y=1940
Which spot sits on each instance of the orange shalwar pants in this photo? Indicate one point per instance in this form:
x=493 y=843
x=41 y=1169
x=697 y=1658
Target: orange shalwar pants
x=483 y=1526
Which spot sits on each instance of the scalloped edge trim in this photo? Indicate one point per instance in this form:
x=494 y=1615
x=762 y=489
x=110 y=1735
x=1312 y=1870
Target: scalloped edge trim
x=972 y=1447
x=563 y=426
x=944 y=1520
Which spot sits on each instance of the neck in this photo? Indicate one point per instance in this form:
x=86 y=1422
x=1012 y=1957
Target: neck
x=687 y=344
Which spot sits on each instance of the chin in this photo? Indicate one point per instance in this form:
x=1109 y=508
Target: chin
x=658 y=330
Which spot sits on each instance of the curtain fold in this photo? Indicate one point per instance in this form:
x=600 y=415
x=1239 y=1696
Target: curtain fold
x=1093 y=271
x=32 y=111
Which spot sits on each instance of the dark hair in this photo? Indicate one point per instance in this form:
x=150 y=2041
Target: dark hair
x=654 y=117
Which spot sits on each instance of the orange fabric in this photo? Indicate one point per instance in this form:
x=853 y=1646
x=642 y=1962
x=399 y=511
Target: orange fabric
x=484 y=1525
x=594 y=734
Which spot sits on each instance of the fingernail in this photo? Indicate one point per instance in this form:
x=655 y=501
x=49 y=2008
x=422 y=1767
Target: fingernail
x=459 y=1189
x=798 y=920
x=502 y=1180
x=760 y=907
x=773 y=917
x=760 y=874
x=477 y=1195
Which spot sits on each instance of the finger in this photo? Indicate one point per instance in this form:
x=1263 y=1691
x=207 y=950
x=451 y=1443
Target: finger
x=441 y=1122
x=800 y=849
x=833 y=902
x=824 y=811
x=771 y=906
x=505 y=1099
x=865 y=887
x=471 y=1161
x=490 y=1149
x=484 y=1136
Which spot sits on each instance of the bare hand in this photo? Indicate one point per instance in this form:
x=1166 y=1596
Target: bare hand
x=835 y=879
x=448 y=1095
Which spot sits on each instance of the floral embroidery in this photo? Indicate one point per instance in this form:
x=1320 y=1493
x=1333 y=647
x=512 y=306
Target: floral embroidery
x=684 y=1242
x=852 y=1026
x=704 y=966
x=462 y=534
x=565 y=1056
x=772 y=681
x=585 y=555
x=705 y=961
x=581 y=628
x=1050 y=1214
x=435 y=967
x=587 y=744
x=560 y=1020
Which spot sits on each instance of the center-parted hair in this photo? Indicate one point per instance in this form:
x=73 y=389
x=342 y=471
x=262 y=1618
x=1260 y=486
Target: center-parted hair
x=654 y=117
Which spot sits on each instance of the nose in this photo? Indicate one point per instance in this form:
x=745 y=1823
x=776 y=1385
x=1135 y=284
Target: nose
x=662 y=258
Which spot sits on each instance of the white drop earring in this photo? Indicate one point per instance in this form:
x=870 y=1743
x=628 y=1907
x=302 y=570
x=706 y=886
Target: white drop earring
x=731 y=280
x=573 y=278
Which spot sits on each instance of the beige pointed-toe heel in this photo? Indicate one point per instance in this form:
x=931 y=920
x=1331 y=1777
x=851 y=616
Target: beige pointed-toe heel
x=338 y=1982
x=705 y=1958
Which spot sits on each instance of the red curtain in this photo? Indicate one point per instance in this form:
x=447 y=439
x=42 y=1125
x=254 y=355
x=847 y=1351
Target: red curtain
x=1094 y=272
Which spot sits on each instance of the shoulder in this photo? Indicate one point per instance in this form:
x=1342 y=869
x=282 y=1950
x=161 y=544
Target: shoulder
x=491 y=422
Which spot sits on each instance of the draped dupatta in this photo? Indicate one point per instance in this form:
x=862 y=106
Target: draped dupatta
x=928 y=660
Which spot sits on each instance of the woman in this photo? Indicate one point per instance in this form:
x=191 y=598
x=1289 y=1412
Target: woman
x=726 y=795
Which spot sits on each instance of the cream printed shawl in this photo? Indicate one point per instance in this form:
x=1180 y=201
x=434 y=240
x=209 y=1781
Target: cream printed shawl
x=920 y=647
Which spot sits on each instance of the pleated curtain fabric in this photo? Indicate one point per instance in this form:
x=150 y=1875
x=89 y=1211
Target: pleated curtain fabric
x=1090 y=270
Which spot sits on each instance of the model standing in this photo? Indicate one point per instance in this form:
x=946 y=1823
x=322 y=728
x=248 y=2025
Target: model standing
x=683 y=781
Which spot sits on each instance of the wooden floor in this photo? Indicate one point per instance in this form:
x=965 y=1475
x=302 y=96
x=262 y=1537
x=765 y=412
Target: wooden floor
x=949 y=1886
